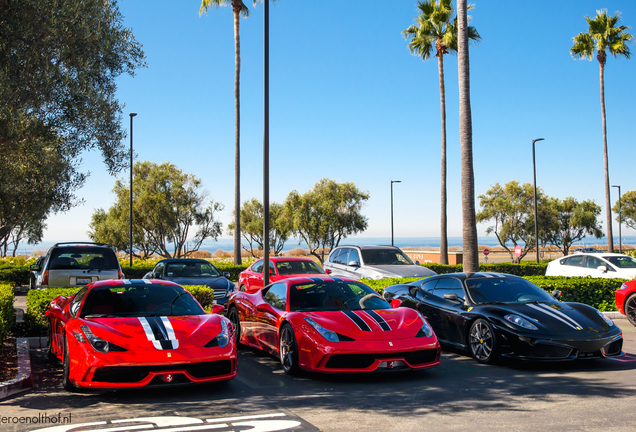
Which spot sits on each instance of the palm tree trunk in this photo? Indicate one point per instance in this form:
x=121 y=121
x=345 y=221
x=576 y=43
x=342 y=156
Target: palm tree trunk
x=237 y=139
x=608 y=205
x=443 y=248
x=469 y=224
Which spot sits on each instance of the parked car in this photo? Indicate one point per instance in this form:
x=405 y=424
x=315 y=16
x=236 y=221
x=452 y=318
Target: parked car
x=599 y=265
x=33 y=274
x=76 y=264
x=586 y=250
x=251 y=280
x=626 y=300
x=126 y=334
x=190 y=271
x=493 y=315
x=372 y=262
x=331 y=325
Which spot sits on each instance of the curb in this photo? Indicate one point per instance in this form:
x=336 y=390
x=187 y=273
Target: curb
x=614 y=315
x=24 y=378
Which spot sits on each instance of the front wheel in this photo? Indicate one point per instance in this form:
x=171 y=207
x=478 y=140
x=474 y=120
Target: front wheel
x=483 y=343
x=630 y=309
x=288 y=350
x=66 y=382
x=233 y=316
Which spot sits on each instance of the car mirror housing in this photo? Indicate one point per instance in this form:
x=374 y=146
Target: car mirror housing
x=34 y=267
x=556 y=294
x=353 y=264
x=263 y=307
x=451 y=297
x=602 y=268
x=413 y=291
x=218 y=309
x=226 y=275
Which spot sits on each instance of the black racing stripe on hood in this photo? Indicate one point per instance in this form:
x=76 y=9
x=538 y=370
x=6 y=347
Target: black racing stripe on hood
x=357 y=320
x=373 y=314
x=158 y=329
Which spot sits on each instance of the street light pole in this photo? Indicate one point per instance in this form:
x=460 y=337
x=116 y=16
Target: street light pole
x=536 y=220
x=266 y=268
x=131 y=187
x=392 y=181
x=620 y=220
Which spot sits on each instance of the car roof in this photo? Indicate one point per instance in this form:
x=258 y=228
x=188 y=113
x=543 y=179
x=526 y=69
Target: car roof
x=477 y=275
x=131 y=282
x=363 y=247
x=183 y=260
x=308 y=279
x=283 y=258
x=595 y=254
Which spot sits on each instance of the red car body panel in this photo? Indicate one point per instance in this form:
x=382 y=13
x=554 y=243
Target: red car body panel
x=252 y=281
x=623 y=293
x=183 y=359
x=365 y=352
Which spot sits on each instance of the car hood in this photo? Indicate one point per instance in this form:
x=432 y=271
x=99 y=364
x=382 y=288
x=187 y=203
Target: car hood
x=569 y=319
x=157 y=333
x=390 y=271
x=381 y=324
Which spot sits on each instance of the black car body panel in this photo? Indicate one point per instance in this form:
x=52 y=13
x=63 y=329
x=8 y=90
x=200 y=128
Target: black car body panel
x=560 y=331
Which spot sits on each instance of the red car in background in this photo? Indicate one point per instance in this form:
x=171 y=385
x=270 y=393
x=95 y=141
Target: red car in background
x=251 y=280
x=328 y=324
x=135 y=333
x=626 y=300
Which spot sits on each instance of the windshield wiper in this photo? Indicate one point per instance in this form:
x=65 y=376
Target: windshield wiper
x=101 y=316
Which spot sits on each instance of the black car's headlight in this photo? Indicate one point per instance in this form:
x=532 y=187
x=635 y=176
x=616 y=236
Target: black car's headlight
x=605 y=318
x=521 y=322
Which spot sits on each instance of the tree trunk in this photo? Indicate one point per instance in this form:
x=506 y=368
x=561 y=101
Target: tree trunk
x=237 y=139
x=443 y=248
x=608 y=205
x=469 y=224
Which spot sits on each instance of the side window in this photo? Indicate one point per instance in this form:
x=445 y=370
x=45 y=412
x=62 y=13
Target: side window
x=334 y=256
x=258 y=267
x=428 y=287
x=159 y=268
x=277 y=296
x=353 y=256
x=77 y=301
x=340 y=256
x=593 y=262
x=448 y=286
x=576 y=261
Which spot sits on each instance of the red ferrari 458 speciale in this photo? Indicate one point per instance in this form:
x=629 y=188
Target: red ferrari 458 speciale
x=327 y=324
x=135 y=333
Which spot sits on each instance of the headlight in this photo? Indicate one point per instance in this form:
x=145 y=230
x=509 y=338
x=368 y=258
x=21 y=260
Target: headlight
x=605 y=318
x=425 y=330
x=624 y=286
x=521 y=322
x=97 y=343
x=327 y=334
x=224 y=337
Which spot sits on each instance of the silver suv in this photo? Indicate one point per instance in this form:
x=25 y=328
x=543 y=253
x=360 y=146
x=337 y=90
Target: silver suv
x=76 y=264
x=372 y=262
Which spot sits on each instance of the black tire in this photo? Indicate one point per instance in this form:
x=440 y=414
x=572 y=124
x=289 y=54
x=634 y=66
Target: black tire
x=66 y=382
x=242 y=288
x=234 y=318
x=49 y=344
x=288 y=350
x=630 y=309
x=483 y=342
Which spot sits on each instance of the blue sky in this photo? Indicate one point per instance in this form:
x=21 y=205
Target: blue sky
x=350 y=103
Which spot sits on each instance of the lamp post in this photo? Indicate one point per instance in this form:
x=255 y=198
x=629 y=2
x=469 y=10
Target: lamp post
x=392 y=181
x=620 y=220
x=536 y=220
x=131 y=186
x=266 y=268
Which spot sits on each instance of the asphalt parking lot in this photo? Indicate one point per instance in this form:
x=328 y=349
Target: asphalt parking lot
x=458 y=394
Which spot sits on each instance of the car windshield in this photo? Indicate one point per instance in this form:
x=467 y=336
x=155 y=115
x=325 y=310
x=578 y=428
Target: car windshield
x=83 y=258
x=192 y=270
x=136 y=300
x=506 y=290
x=334 y=296
x=293 y=267
x=622 y=261
x=385 y=257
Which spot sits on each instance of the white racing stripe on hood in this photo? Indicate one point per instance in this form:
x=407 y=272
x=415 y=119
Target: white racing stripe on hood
x=557 y=314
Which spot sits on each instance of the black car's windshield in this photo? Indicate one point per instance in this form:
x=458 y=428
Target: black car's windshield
x=385 y=257
x=506 y=290
x=622 y=261
x=146 y=300
x=292 y=267
x=334 y=295
x=192 y=270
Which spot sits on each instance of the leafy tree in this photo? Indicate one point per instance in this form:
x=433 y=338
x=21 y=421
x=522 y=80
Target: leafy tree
x=167 y=204
x=435 y=31
x=628 y=209
x=469 y=223
x=570 y=221
x=511 y=210
x=326 y=214
x=252 y=224
x=603 y=35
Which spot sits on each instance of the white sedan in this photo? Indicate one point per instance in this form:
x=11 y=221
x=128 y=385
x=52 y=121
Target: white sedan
x=598 y=265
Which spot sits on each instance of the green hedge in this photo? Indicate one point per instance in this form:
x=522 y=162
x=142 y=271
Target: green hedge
x=6 y=310
x=38 y=301
x=523 y=269
x=17 y=275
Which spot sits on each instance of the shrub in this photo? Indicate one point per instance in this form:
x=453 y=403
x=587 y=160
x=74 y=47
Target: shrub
x=523 y=269
x=6 y=310
x=378 y=285
x=596 y=292
x=17 y=275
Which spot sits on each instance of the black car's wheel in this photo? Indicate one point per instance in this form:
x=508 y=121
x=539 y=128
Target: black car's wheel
x=49 y=344
x=630 y=309
x=483 y=343
x=66 y=382
x=288 y=350
x=233 y=316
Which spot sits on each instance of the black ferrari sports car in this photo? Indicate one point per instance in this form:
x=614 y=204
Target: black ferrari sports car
x=495 y=315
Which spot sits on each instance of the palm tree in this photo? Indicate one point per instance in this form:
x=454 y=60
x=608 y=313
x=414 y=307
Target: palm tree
x=603 y=35
x=436 y=31
x=239 y=8
x=469 y=224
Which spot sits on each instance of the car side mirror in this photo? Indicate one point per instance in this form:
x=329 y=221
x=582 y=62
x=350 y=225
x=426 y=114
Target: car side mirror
x=155 y=275
x=263 y=307
x=226 y=275
x=34 y=267
x=451 y=297
x=218 y=309
x=413 y=291
x=354 y=264
x=602 y=268
x=417 y=263
x=556 y=294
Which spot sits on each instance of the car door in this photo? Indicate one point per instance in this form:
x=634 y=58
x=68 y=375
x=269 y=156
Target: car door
x=337 y=262
x=451 y=311
x=591 y=268
x=268 y=313
x=575 y=266
x=353 y=264
x=254 y=277
x=427 y=304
